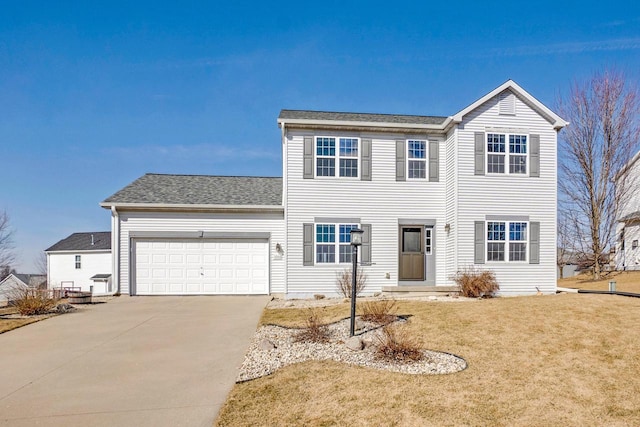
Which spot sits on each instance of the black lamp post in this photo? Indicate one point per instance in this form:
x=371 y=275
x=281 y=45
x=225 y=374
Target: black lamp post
x=356 y=240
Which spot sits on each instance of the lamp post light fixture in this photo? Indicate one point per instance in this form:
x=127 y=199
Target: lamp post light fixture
x=356 y=240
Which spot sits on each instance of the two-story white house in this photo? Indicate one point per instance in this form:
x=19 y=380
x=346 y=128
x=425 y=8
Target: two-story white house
x=627 y=247
x=81 y=261
x=434 y=195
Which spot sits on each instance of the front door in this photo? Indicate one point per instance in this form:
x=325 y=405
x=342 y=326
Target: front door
x=412 y=253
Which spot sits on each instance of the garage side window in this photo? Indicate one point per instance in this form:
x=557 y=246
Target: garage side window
x=78 y=262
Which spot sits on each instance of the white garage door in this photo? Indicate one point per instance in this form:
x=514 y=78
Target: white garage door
x=197 y=266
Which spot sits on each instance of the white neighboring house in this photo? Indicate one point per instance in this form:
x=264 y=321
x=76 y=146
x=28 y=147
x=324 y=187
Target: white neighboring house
x=81 y=261
x=627 y=256
x=433 y=194
x=16 y=282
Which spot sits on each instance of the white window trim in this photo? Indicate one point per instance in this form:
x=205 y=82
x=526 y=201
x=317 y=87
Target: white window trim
x=337 y=243
x=506 y=153
x=506 y=243
x=336 y=157
x=426 y=159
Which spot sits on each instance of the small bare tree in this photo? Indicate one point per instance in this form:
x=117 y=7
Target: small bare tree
x=40 y=262
x=344 y=282
x=7 y=255
x=566 y=240
x=601 y=138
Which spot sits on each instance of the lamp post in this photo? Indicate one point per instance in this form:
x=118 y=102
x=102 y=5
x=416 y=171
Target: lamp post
x=356 y=240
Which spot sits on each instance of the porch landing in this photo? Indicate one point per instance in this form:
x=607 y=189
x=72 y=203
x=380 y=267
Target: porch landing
x=421 y=290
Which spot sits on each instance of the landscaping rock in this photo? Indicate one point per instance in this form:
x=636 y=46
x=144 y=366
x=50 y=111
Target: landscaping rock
x=354 y=343
x=266 y=344
x=65 y=308
x=319 y=296
x=359 y=325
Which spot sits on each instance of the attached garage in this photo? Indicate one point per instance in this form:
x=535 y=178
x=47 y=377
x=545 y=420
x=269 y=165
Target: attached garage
x=200 y=266
x=198 y=235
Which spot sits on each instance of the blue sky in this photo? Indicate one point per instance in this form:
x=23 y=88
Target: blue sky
x=95 y=94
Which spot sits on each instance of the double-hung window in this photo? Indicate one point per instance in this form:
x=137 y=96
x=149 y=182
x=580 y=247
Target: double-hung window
x=416 y=159
x=506 y=237
x=332 y=239
x=337 y=153
x=503 y=148
x=78 y=262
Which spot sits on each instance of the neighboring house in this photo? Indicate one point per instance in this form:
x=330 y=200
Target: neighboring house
x=434 y=195
x=627 y=248
x=11 y=285
x=81 y=261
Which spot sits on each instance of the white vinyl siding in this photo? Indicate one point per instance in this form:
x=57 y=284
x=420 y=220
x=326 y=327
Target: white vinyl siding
x=62 y=268
x=478 y=196
x=380 y=202
x=211 y=222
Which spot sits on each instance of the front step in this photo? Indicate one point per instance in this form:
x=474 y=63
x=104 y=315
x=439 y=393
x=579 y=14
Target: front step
x=406 y=291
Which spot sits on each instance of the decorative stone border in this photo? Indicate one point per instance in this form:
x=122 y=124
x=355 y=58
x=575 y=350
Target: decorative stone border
x=273 y=347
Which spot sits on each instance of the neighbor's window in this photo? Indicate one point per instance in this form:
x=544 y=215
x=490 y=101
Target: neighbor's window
x=498 y=239
x=78 y=262
x=327 y=245
x=417 y=159
x=498 y=151
x=345 y=154
x=634 y=244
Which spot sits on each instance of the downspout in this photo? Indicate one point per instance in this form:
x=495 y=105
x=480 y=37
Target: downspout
x=284 y=205
x=115 y=248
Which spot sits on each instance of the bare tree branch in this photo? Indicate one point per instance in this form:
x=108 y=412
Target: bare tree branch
x=603 y=135
x=7 y=254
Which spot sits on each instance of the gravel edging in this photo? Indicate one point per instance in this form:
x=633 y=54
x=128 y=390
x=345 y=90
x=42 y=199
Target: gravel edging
x=282 y=350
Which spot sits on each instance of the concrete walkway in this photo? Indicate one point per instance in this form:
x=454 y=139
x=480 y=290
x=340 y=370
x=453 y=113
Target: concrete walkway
x=134 y=361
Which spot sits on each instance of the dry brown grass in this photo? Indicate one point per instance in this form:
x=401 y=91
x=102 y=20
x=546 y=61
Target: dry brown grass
x=569 y=359
x=297 y=318
x=626 y=281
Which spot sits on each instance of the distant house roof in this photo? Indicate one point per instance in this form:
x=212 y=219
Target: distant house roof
x=159 y=189
x=91 y=241
x=30 y=280
x=360 y=117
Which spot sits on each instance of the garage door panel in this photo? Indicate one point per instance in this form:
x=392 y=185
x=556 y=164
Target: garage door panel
x=196 y=266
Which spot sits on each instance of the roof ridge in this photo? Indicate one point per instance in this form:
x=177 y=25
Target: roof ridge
x=354 y=112
x=211 y=176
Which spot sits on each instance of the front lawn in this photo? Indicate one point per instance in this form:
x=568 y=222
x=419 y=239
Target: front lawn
x=568 y=359
x=8 y=324
x=626 y=281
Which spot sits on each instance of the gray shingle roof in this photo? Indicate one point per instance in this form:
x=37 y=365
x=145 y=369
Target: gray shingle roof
x=82 y=242
x=201 y=190
x=360 y=117
x=31 y=280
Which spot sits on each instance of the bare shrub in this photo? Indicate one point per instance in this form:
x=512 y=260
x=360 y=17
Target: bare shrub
x=343 y=281
x=31 y=302
x=476 y=283
x=315 y=330
x=396 y=344
x=380 y=311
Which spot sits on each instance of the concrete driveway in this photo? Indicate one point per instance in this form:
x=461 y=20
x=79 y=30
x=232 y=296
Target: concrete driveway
x=134 y=361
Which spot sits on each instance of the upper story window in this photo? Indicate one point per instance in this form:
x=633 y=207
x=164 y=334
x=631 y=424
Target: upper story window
x=78 y=262
x=416 y=159
x=499 y=240
x=340 y=152
x=332 y=239
x=499 y=152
